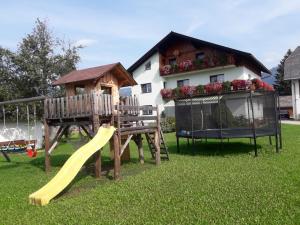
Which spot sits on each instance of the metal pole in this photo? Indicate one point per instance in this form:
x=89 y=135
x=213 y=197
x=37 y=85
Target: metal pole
x=276 y=122
x=253 y=124
x=220 y=121
x=280 y=133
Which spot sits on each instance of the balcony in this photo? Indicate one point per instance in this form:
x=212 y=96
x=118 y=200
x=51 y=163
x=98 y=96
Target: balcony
x=188 y=65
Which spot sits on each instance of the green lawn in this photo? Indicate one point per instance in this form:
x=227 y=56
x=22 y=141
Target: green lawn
x=215 y=186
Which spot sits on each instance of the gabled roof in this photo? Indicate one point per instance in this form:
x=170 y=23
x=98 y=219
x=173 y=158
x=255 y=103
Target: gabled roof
x=162 y=44
x=94 y=73
x=292 y=65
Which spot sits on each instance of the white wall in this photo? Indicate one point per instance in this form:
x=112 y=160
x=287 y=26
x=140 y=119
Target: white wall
x=152 y=76
x=296 y=98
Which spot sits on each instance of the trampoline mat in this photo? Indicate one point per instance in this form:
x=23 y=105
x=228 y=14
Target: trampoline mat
x=227 y=133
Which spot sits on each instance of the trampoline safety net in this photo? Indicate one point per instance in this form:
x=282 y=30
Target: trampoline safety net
x=230 y=115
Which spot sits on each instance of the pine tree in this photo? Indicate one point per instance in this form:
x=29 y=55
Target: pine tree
x=281 y=85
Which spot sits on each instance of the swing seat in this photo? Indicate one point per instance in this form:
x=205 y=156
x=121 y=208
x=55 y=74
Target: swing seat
x=32 y=153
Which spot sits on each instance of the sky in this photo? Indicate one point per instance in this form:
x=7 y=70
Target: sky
x=122 y=31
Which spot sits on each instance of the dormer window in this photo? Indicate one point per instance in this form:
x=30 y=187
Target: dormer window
x=200 y=56
x=148 y=66
x=172 y=61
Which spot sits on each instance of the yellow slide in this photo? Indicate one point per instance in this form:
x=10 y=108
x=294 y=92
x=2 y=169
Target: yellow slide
x=71 y=167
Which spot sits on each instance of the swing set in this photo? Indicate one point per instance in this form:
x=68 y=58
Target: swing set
x=14 y=140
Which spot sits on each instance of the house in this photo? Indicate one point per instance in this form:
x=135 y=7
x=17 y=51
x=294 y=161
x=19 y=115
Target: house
x=292 y=73
x=286 y=106
x=179 y=60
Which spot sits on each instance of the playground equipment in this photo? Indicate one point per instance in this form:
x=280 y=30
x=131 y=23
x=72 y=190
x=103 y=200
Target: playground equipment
x=240 y=114
x=14 y=139
x=71 y=167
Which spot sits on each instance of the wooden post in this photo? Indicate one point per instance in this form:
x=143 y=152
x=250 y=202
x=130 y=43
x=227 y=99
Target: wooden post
x=47 y=147
x=117 y=160
x=126 y=154
x=96 y=124
x=157 y=138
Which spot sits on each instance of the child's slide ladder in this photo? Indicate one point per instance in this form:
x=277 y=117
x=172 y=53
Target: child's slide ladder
x=163 y=147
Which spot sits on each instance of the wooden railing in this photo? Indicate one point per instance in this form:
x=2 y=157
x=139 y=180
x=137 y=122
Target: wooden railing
x=87 y=105
x=78 y=106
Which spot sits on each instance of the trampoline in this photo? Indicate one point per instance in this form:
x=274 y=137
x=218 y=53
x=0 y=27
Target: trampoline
x=240 y=114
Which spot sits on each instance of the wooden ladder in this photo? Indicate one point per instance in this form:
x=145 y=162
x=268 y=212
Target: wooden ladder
x=163 y=147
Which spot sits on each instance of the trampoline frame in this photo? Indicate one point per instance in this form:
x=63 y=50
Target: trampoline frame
x=219 y=133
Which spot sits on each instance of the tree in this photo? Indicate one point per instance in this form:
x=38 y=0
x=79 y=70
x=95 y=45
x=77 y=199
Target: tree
x=40 y=59
x=281 y=85
x=7 y=79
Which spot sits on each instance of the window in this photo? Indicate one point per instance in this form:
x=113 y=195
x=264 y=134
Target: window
x=147 y=111
x=217 y=78
x=148 y=66
x=184 y=82
x=200 y=56
x=79 y=90
x=165 y=84
x=106 y=90
x=146 y=88
x=172 y=61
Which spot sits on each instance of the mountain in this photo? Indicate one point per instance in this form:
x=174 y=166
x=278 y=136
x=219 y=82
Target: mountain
x=270 y=78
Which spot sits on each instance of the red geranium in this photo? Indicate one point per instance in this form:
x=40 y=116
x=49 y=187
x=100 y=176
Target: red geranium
x=239 y=84
x=166 y=93
x=213 y=88
x=185 y=65
x=166 y=69
x=187 y=91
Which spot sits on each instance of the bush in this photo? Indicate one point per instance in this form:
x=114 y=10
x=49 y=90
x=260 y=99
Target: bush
x=168 y=124
x=226 y=86
x=166 y=93
x=200 y=89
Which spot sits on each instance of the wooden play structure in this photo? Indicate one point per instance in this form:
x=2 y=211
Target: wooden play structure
x=92 y=99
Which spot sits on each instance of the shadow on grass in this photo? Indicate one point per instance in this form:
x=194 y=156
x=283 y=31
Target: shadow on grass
x=213 y=147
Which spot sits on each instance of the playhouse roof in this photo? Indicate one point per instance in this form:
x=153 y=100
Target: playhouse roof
x=95 y=73
x=292 y=65
x=163 y=44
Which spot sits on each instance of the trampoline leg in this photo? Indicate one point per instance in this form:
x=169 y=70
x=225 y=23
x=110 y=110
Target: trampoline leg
x=5 y=156
x=177 y=142
x=188 y=142
x=276 y=142
x=193 y=146
x=255 y=147
x=270 y=140
x=280 y=141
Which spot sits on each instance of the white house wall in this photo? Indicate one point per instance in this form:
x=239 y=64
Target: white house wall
x=152 y=76
x=296 y=98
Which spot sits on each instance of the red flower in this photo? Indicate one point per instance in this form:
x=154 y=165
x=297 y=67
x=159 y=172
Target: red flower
x=188 y=91
x=166 y=69
x=166 y=93
x=239 y=85
x=185 y=65
x=213 y=88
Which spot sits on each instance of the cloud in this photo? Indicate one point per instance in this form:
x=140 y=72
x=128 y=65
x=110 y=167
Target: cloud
x=85 y=42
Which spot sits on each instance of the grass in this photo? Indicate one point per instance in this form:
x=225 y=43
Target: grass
x=214 y=186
